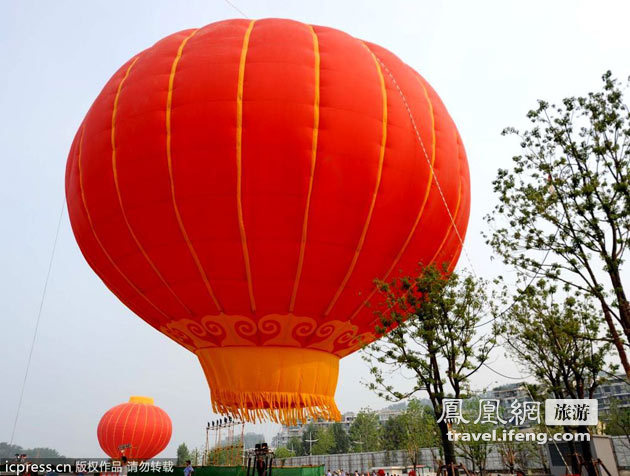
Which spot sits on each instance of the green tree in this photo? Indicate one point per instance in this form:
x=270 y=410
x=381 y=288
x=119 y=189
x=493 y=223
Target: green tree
x=433 y=320
x=523 y=455
x=8 y=451
x=341 y=441
x=365 y=432
x=475 y=451
x=283 y=452
x=325 y=441
x=196 y=456
x=419 y=430
x=617 y=421
x=183 y=454
x=295 y=444
x=556 y=338
x=564 y=207
x=393 y=434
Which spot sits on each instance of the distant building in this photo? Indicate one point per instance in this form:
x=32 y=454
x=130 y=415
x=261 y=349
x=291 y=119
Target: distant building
x=285 y=434
x=617 y=389
x=509 y=392
x=507 y=395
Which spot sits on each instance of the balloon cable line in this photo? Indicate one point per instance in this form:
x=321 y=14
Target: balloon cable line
x=518 y=297
x=39 y=315
x=448 y=210
x=236 y=8
x=426 y=156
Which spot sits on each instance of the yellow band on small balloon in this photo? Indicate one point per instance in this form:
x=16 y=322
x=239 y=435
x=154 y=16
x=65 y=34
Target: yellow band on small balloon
x=140 y=399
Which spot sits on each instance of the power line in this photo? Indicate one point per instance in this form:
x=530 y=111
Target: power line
x=505 y=376
x=39 y=315
x=517 y=298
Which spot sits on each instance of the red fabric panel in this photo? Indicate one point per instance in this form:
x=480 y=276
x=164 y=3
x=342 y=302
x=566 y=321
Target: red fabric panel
x=79 y=210
x=99 y=185
x=204 y=151
x=402 y=195
x=277 y=140
x=145 y=187
x=345 y=173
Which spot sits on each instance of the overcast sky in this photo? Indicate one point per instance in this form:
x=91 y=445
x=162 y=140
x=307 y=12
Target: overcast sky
x=489 y=61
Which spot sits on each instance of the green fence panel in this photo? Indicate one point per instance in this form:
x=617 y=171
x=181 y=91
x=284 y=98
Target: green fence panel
x=242 y=471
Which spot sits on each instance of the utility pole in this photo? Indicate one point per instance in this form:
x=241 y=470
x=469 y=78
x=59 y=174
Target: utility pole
x=218 y=451
x=205 y=453
x=310 y=443
x=242 y=443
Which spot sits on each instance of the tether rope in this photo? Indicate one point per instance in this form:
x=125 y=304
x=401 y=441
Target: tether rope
x=236 y=8
x=452 y=218
x=426 y=156
x=39 y=315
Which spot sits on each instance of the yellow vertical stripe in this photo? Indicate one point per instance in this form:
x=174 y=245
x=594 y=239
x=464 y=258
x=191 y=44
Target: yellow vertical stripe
x=119 y=194
x=132 y=408
x=158 y=421
x=169 y=159
x=298 y=273
x=422 y=204
x=96 y=237
x=133 y=432
x=150 y=443
x=114 y=446
x=446 y=236
x=461 y=192
x=239 y=165
x=377 y=185
x=450 y=226
x=109 y=415
x=144 y=427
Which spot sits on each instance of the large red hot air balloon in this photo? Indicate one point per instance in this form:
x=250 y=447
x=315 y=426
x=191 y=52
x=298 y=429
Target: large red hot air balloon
x=138 y=430
x=241 y=185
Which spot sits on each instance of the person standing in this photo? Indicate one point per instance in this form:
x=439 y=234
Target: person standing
x=188 y=470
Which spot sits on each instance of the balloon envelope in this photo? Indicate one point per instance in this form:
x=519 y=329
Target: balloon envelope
x=241 y=186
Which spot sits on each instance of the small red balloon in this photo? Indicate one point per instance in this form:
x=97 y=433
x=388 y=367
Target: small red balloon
x=137 y=430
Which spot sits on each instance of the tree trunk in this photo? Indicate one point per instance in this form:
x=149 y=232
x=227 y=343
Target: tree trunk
x=573 y=460
x=621 y=350
x=586 y=452
x=624 y=307
x=447 y=445
x=543 y=459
